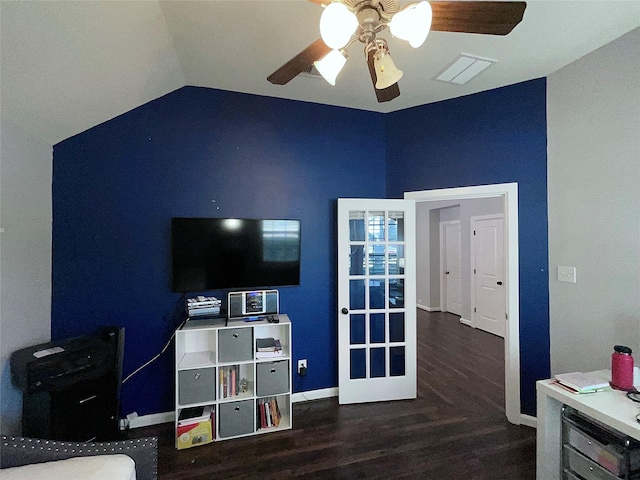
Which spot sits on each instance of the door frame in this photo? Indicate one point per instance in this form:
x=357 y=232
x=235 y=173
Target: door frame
x=443 y=279
x=509 y=193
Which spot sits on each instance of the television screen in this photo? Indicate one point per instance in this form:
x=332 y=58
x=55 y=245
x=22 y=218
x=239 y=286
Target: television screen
x=232 y=253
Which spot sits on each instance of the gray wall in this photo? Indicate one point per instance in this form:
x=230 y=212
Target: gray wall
x=428 y=218
x=25 y=256
x=593 y=110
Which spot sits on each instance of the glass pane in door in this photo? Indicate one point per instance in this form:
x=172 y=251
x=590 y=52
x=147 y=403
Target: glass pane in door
x=375 y=227
x=377 y=260
x=356 y=329
x=356 y=260
x=395 y=259
x=396 y=294
x=358 y=363
x=396 y=226
x=376 y=294
x=378 y=367
x=377 y=328
x=356 y=226
x=396 y=327
x=356 y=294
x=397 y=361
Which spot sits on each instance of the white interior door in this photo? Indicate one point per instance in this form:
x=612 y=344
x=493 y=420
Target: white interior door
x=488 y=295
x=376 y=300
x=451 y=271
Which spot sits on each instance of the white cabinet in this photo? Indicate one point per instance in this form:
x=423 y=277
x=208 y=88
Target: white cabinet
x=610 y=408
x=225 y=388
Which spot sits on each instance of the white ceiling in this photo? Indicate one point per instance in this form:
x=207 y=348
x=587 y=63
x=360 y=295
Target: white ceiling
x=67 y=66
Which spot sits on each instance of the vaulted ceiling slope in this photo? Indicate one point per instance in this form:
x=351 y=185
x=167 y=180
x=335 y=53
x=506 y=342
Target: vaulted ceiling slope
x=67 y=66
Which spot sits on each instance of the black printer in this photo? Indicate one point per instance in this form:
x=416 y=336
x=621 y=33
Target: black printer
x=71 y=387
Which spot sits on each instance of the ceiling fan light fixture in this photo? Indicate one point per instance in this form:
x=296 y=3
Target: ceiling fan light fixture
x=337 y=25
x=331 y=64
x=386 y=71
x=412 y=23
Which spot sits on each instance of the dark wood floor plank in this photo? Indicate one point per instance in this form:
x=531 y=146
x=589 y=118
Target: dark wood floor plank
x=455 y=429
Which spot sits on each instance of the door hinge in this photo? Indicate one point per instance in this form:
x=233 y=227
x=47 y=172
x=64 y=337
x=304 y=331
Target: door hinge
x=474 y=310
x=474 y=232
x=506 y=316
x=474 y=271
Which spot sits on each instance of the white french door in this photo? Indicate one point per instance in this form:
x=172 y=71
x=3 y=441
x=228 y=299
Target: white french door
x=376 y=300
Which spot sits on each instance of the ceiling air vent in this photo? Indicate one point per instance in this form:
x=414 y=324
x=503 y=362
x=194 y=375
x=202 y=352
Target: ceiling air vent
x=464 y=68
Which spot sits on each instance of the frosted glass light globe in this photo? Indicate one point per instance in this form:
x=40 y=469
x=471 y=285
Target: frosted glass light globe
x=412 y=23
x=337 y=24
x=330 y=65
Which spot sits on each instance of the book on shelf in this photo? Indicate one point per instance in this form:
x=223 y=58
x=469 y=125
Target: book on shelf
x=229 y=381
x=233 y=390
x=275 y=354
x=263 y=417
x=580 y=382
x=268 y=413
x=273 y=404
x=268 y=345
x=268 y=348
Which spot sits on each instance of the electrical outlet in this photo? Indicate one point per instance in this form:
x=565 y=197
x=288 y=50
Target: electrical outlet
x=302 y=364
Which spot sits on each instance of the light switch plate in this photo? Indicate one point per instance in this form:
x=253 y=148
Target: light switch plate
x=567 y=274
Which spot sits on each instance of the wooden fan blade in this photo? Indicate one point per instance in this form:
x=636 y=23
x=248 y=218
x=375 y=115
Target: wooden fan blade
x=489 y=18
x=385 y=94
x=299 y=63
x=320 y=2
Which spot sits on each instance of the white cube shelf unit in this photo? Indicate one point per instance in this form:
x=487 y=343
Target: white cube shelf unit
x=218 y=367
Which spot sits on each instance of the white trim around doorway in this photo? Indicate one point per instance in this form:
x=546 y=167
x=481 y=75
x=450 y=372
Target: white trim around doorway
x=509 y=191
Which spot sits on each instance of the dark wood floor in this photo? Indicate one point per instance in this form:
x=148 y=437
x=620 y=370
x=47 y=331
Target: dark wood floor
x=455 y=429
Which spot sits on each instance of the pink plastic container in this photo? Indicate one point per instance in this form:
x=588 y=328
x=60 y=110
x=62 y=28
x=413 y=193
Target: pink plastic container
x=622 y=368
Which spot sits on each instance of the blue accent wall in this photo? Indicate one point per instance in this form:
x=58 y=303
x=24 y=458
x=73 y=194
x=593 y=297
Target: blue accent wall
x=499 y=136
x=203 y=153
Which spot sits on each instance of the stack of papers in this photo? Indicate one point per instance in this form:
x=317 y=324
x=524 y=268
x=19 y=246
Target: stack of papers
x=268 y=347
x=582 y=382
x=195 y=415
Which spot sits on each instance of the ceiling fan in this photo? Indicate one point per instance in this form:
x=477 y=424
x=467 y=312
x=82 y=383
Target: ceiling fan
x=344 y=22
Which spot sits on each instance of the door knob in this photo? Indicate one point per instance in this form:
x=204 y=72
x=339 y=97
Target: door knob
x=499 y=283
x=446 y=273
x=344 y=311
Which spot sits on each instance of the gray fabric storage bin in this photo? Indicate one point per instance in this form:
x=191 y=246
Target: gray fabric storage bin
x=196 y=386
x=272 y=378
x=236 y=418
x=235 y=344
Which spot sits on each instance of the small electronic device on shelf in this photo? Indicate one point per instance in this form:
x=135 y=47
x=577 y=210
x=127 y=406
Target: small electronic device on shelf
x=256 y=305
x=200 y=306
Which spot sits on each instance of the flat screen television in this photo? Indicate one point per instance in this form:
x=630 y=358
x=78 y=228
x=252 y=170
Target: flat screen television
x=233 y=253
